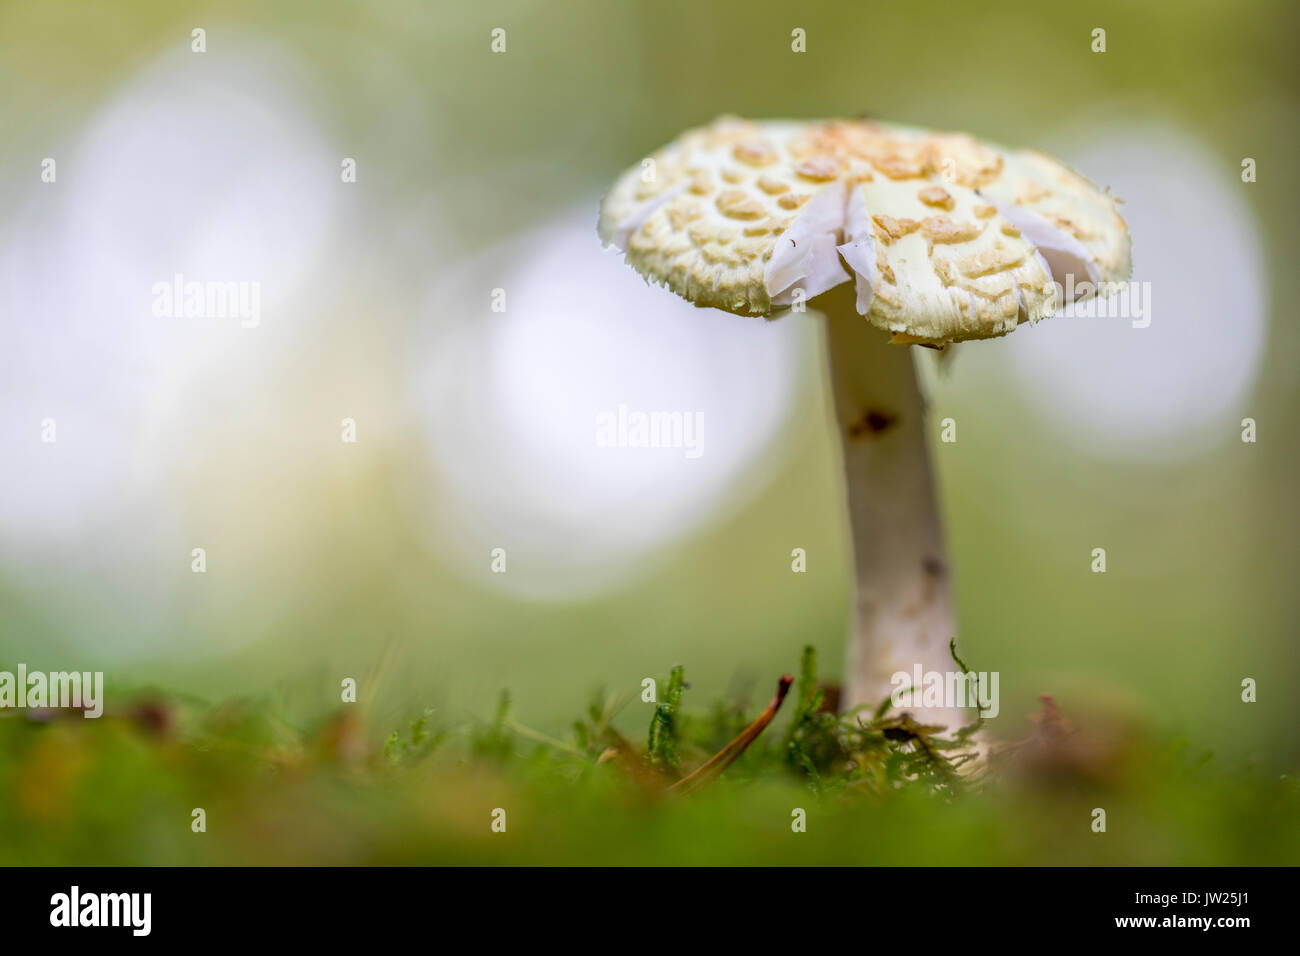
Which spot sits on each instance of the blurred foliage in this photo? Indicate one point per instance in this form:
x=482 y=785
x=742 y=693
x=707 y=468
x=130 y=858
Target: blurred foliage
x=875 y=788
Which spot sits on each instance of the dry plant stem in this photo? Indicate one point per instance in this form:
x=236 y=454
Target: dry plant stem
x=902 y=614
x=720 y=761
x=649 y=778
x=541 y=738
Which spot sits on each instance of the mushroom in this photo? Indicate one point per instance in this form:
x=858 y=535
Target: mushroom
x=946 y=239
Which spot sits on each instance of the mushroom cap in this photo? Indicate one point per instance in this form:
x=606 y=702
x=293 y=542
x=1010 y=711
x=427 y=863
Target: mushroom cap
x=947 y=237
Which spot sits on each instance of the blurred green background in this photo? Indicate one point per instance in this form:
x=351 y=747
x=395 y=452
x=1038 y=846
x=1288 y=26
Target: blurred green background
x=328 y=560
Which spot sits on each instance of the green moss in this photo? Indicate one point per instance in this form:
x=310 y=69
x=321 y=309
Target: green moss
x=875 y=787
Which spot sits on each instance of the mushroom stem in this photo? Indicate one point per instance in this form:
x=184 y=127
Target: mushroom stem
x=902 y=614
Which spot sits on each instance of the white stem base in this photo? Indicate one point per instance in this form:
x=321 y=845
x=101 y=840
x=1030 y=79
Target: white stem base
x=902 y=615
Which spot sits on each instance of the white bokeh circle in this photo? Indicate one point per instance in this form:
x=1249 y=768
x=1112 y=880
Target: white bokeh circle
x=207 y=167
x=1173 y=388
x=512 y=399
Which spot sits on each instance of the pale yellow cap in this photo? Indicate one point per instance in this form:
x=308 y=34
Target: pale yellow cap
x=946 y=237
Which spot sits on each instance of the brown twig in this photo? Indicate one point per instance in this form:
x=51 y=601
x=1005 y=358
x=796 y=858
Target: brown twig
x=647 y=776
x=713 y=767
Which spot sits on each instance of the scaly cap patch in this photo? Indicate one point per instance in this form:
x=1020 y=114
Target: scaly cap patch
x=947 y=238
